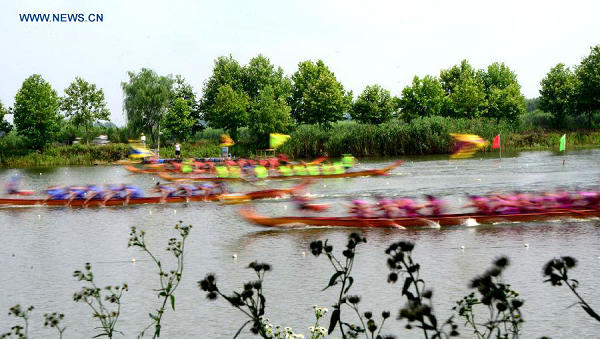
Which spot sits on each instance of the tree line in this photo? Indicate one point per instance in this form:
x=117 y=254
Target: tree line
x=260 y=96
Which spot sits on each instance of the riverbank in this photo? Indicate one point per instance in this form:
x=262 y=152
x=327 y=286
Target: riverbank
x=87 y=155
x=423 y=136
x=395 y=138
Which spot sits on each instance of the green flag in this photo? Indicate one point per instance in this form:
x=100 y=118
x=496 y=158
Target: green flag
x=563 y=142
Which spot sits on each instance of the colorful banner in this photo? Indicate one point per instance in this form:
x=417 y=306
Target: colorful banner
x=226 y=140
x=465 y=145
x=277 y=139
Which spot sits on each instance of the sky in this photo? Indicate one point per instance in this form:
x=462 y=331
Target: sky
x=363 y=42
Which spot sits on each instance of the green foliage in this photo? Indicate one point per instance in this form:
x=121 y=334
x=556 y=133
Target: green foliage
x=36 y=112
x=424 y=98
x=558 y=93
x=5 y=126
x=230 y=110
x=226 y=72
x=503 y=93
x=14 y=154
x=147 y=97
x=183 y=90
x=260 y=74
x=268 y=114
x=84 y=104
x=179 y=121
x=465 y=89
x=588 y=91
x=374 y=105
x=428 y=135
x=317 y=97
x=532 y=104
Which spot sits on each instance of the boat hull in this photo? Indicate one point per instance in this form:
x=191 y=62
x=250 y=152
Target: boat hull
x=442 y=220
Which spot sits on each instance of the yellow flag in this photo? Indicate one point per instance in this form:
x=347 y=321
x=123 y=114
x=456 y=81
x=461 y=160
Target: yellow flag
x=139 y=151
x=465 y=145
x=226 y=140
x=277 y=139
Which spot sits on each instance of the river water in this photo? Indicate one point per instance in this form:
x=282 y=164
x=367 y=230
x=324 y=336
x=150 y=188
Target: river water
x=41 y=247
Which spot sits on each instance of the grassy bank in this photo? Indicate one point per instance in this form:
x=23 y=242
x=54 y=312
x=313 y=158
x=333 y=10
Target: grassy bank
x=422 y=136
x=395 y=138
x=67 y=156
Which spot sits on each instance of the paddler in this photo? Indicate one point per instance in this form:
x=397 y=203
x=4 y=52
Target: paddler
x=56 y=192
x=112 y=191
x=348 y=161
x=164 y=190
x=436 y=206
x=261 y=172
x=481 y=204
x=12 y=185
x=409 y=207
x=361 y=209
x=93 y=192
x=387 y=206
x=205 y=188
x=187 y=190
x=75 y=192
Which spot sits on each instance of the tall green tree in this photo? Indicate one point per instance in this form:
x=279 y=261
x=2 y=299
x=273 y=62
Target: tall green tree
x=84 y=104
x=558 y=93
x=230 y=110
x=425 y=97
x=5 y=126
x=268 y=114
x=260 y=73
x=185 y=91
x=374 y=105
x=36 y=111
x=465 y=89
x=147 y=97
x=588 y=91
x=179 y=122
x=317 y=97
x=503 y=93
x=226 y=71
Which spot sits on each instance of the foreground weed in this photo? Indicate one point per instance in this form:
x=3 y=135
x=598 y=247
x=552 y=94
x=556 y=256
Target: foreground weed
x=169 y=279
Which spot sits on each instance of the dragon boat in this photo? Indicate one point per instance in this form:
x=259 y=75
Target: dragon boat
x=441 y=220
x=350 y=174
x=229 y=197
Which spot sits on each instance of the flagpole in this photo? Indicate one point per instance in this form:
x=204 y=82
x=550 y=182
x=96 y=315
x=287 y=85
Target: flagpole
x=500 y=144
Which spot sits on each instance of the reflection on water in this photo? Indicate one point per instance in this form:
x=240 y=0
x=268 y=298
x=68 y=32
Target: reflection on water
x=42 y=246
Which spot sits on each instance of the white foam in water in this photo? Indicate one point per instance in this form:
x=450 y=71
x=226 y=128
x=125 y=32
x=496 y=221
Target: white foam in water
x=470 y=222
x=432 y=224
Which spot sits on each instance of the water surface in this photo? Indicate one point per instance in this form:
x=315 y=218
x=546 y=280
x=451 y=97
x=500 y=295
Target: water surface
x=41 y=247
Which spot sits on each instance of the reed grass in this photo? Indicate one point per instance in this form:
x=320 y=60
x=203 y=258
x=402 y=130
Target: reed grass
x=429 y=135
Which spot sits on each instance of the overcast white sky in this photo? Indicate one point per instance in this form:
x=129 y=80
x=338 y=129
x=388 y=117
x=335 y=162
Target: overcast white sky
x=363 y=42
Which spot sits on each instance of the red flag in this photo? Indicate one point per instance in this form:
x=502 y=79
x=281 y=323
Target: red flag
x=496 y=143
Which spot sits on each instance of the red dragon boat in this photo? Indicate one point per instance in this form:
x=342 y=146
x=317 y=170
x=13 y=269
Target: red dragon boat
x=441 y=220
